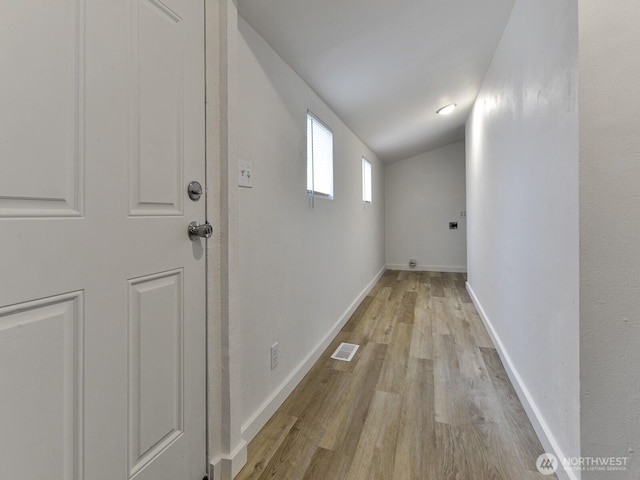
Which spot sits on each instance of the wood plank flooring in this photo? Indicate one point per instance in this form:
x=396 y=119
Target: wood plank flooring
x=425 y=398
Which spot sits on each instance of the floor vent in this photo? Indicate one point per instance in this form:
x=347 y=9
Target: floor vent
x=345 y=352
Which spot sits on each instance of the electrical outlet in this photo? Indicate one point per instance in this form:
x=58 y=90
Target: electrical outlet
x=275 y=355
x=463 y=214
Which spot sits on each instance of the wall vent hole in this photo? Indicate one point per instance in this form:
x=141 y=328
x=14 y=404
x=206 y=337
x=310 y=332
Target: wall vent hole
x=345 y=352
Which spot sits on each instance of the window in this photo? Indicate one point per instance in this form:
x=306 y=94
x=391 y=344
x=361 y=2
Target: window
x=319 y=158
x=366 y=180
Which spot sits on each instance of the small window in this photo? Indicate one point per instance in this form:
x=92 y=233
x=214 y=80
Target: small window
x=366 y=180
x=319 y=158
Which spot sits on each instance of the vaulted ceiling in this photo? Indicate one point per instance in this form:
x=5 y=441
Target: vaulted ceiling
x=386 y=66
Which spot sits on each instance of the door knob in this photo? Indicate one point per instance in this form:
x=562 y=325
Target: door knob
x=200 y=231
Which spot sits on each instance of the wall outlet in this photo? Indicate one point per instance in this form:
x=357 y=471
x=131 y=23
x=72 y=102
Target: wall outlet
x=275 y=355
x=245 y=168
x=463 y=214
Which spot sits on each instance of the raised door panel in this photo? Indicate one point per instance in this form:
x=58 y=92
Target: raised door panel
x=156 y=413
x=42 y=98
x=41 y=406
x=156 y=185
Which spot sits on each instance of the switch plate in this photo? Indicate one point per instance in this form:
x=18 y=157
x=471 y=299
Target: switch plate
x=245 y=168
x=275 y=355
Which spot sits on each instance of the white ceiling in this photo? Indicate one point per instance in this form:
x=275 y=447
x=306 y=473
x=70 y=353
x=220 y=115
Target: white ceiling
x=386 y=66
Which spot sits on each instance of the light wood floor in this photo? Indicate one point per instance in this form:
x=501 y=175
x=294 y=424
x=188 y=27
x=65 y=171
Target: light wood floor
x=425 y=398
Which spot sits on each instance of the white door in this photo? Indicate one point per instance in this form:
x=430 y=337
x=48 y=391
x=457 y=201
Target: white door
x=102 y=293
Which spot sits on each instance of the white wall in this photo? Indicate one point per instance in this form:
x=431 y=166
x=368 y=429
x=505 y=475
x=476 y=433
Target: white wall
x=522 y=205
x=422 y=195
x=301 y=271
x=610 y=231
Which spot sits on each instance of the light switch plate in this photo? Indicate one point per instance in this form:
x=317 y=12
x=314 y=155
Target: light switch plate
x=275 y=355
x=245 y=170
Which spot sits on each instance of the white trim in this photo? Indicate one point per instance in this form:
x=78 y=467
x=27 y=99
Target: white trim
x=426 y=268
x=544 y=433
x=260 y=417
x=226 y=467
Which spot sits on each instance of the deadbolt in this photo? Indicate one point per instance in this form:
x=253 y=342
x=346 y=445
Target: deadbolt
x=195 y=191
x=200 y=231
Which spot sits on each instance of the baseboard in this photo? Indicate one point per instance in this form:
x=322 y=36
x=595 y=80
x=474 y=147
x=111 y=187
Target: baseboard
x=251 y=428
x=541 y=427
x=226 y=467
x=426 y=268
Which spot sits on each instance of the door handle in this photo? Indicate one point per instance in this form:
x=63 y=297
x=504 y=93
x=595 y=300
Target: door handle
x=200 y=231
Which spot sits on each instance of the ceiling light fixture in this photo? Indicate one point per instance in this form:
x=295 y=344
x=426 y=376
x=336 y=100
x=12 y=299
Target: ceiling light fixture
x=447 y=109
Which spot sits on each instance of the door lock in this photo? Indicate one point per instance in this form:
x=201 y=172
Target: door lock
x=194 y=190
x=200 y=231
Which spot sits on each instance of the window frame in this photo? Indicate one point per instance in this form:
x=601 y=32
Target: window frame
x=311 y=164
x=367 y=168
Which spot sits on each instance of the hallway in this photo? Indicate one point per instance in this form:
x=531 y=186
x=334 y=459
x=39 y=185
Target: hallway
x=425 y=397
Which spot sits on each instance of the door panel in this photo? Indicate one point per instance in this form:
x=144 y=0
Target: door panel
x=42 y=343
x=157 y=90
x=102 y=304
x=41 y=95
x=156 y=382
